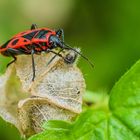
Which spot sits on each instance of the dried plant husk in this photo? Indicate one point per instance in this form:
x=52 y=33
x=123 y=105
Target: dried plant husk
x=33 y=112
x=56 y=92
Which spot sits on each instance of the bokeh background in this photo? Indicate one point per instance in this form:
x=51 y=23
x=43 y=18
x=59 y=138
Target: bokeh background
x=107 y=32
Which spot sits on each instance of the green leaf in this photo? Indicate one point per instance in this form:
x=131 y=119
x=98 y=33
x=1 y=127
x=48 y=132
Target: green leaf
x=125 y=99
x=120 y=122
x=52 y=135
x=57 y=125
x=92 y=97
x=95 y=100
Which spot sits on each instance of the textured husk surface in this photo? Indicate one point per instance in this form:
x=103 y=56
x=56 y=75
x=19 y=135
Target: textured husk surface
x=56 y=92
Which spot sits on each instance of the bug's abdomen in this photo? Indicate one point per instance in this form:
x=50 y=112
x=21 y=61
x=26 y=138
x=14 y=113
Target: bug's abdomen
x=17 y=51
x=16 y=46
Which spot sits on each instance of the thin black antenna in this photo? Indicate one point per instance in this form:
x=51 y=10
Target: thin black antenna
x=68 y=47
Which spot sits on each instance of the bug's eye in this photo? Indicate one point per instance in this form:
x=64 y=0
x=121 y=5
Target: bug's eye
x=51 y=43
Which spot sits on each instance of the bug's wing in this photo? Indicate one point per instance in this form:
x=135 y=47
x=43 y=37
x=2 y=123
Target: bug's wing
x=20 y=40
x=15 y=43
x=26 y=33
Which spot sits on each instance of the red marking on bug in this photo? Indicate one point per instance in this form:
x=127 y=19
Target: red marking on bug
x=35 y=41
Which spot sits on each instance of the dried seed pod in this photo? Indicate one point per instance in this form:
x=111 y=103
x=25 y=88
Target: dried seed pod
x=62 y=85
x=33 y=112
x=57 y=91
x=24 y=70
x=11 y=93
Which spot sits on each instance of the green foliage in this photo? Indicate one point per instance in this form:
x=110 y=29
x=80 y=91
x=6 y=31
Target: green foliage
x=120 y=122
x=8 y=131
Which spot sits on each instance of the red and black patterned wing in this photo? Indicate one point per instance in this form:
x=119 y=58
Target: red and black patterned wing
x=20 y=40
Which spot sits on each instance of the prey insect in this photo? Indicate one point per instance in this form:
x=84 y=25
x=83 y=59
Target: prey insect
x=35 y=41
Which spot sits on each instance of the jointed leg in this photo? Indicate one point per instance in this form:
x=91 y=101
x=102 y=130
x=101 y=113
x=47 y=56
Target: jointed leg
x=12 y=52
x=33 y=26
x=57 y=54
x=33 y=65
x=54 y=57
x=12 y=61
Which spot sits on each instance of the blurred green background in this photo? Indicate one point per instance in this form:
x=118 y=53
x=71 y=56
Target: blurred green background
x=108 y=33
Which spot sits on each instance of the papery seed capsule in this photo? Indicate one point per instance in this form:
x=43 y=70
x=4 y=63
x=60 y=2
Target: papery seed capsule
x=55 y=94
x=33 y=112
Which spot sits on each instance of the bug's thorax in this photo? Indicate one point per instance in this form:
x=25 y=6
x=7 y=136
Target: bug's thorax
x=41 y=41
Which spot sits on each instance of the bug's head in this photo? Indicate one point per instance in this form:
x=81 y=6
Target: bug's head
x=55 y=41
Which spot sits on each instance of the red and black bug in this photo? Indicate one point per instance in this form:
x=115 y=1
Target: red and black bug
x=35 y=41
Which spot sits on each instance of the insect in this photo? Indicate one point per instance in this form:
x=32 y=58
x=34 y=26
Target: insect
x=35 y=41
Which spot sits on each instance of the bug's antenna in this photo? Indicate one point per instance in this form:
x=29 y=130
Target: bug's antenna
x=68 y=47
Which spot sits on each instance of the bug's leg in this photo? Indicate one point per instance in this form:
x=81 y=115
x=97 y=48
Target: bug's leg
x=33 y=26
x=54 y=57
x=33 y=64
x=12 y=60
x=57 y=54
x=12 y=52
x=60 y=33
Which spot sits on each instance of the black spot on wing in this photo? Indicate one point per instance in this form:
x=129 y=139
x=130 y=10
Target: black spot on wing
x=15 y=41
x=30 y=35
x=42 y=34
